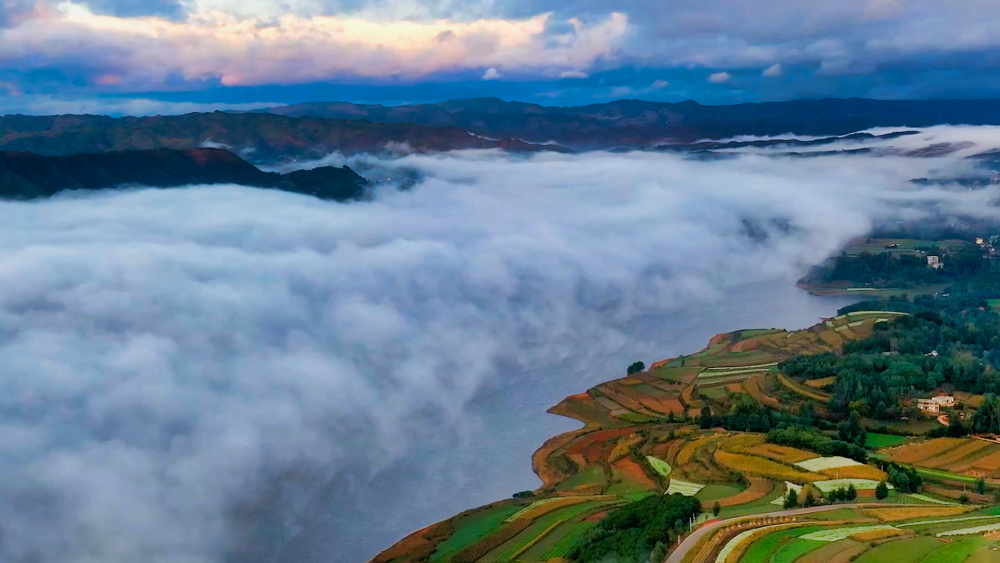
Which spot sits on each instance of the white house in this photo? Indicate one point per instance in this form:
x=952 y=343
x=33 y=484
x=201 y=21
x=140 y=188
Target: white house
x=935 y=404
x=934 y=262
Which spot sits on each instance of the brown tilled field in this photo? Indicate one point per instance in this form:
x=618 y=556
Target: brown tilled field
x=906 y=513
x=759 y=488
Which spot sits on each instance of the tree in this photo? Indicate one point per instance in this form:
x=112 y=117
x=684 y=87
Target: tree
x=636 y=367
x=810 y=499
x=659 y=553
x=706 y=420
x=524 y=494
x=882 y=491
x=791 y=499
x=852 y=493
x=981 y=486
x=852 y=431
x=964 y=499
x=955 y=428
x=716 y=508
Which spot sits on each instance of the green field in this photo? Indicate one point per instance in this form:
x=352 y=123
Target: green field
x=562 y=546
x=473 y=527
x=763 y=548
x=794 y=549
x=542 y=527
x=717 y=492
x=937 y=474
x=658 y=465
x=956 y=552
x=875 y=441
x=588 y=476
x=909 y=550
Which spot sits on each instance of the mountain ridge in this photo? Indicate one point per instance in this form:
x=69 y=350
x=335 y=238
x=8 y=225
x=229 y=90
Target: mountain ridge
x=26 y=175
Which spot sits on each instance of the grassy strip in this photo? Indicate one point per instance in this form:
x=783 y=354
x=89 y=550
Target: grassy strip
x=565 y=543
x=937 y=474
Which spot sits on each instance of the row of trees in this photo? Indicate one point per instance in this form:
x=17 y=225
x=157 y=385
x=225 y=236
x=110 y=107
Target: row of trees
x=638 y=529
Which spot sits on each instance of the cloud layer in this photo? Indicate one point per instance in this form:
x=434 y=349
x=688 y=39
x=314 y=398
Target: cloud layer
x=177 y=359
x=772 y=49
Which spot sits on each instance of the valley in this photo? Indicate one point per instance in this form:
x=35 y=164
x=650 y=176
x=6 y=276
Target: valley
x=749 y=433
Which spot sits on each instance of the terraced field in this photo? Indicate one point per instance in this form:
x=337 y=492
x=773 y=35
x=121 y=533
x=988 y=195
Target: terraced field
x=639 y=439
x=951 y=458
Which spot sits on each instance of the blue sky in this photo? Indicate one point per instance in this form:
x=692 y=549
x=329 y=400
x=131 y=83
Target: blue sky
x=172 y=56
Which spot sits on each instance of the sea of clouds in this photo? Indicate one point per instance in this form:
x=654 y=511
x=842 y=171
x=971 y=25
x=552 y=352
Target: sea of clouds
x=184 y=369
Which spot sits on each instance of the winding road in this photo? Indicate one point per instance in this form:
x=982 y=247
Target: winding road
x=692 y=540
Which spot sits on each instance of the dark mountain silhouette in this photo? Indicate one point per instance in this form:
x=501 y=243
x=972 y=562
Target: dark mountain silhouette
x=639 y=124
x=25 y=175
x=257 y=137
x=317 y=129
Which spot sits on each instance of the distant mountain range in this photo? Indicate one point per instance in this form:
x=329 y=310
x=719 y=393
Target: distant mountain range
x=316 y=129
x=25 y=175
x=640 y=124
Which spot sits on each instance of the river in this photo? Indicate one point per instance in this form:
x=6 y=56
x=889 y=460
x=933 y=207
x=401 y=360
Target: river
x=489 y=457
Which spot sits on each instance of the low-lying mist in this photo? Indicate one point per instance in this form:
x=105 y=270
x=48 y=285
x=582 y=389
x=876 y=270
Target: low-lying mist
x=186 y=370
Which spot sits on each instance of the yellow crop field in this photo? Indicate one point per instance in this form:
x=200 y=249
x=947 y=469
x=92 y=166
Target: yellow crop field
x=623 y=448
x=907 y=513
x=969 y=449
x=920 y=451
x=687 y=451
x=754 y=444
x=856 y=472
x=822 y=382
x=753 y=465
x=988 y=463
x=872 y=535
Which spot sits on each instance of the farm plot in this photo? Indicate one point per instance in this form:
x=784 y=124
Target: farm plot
x=906 y=550
x=754 y=444
x=875 y=441
x=920 y=451
x=909 y=513
x=985 y=528
x=660 y=466
x=957 y=552
x=868 y=472
x=472 y=528
x=859 y=484
x=838 y=534
x=567 y=539
x=684 y=488
x=758 y=489
x=820 y=463
x=763 y=467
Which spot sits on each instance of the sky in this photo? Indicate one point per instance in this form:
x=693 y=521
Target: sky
x=187 y=370
x=173 y=56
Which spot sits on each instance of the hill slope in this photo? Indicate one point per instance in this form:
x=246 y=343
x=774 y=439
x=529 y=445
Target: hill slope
x=637 y=123
x=259 y=137
x=25 y=175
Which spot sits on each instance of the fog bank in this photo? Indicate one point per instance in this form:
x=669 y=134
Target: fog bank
x=187 y=371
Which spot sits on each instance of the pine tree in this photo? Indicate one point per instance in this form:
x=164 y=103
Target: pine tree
x=882 y=491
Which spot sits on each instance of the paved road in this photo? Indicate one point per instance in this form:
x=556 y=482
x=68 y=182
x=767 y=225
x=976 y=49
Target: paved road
x=689 y=542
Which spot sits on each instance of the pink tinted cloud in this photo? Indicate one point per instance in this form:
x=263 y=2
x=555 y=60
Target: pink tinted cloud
x=145 y=51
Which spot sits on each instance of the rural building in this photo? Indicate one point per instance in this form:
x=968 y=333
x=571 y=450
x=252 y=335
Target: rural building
x=934 y=404
x=934 y=262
